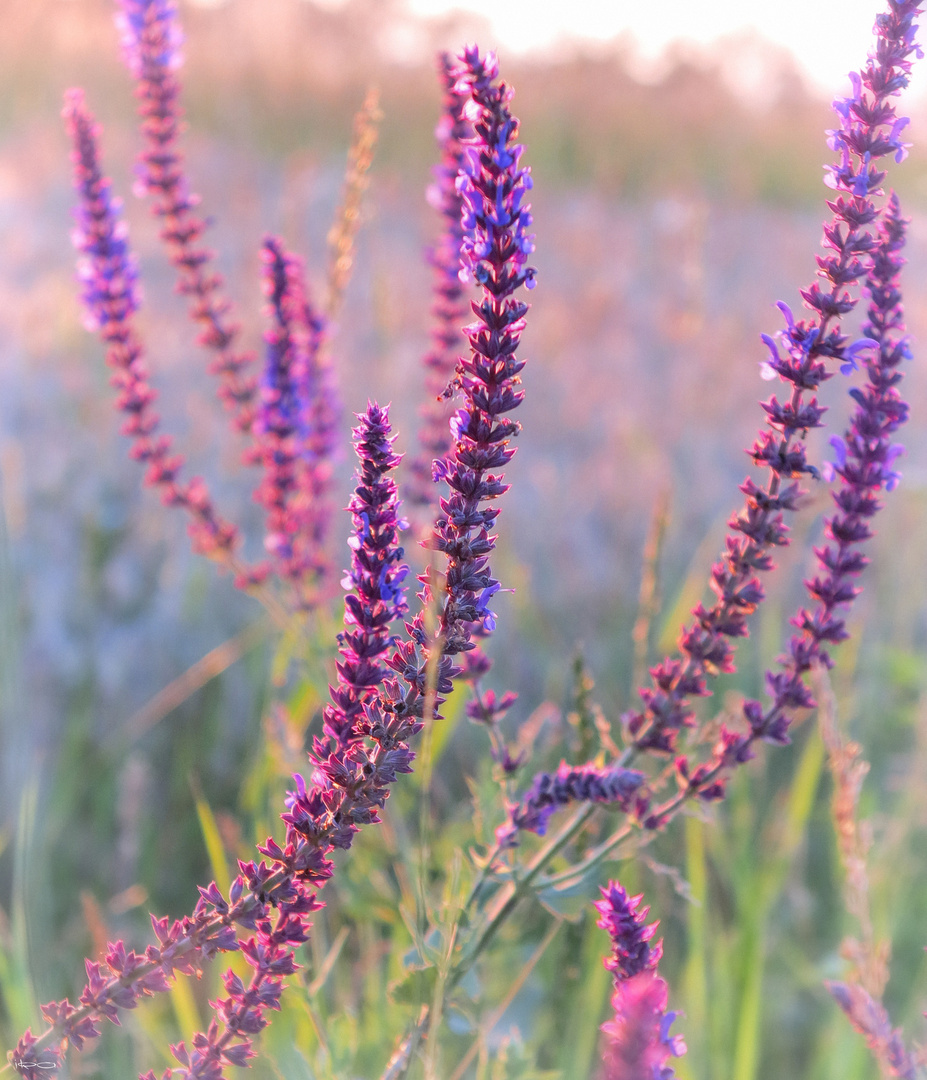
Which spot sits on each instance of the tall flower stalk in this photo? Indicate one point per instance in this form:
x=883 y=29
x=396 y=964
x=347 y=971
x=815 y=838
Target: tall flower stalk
x=266 y=915
x=295 y=429
x=869 y=131
x=151 y=40
x=857 y=246
x=110 y=295
x=377 y=596
x=495 y=248
x=637 y=1043
x=449 y=307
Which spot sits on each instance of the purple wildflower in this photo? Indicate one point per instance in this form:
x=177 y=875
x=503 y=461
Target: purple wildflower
x=318 y=820
x=493 y=192
x=637 y=1041
x=864 y=465
x=610 y=786
x=864 y=459
x=449 y=307
x=493 y=188
x=631 y=951
x=294 y=428
x=869 y=130
x=495 y=247
x=440 y=427
x=124 y=976
x=151 y=40
x=108 y=273
x=243 y=1013
x=376 y=596
x=367 y=750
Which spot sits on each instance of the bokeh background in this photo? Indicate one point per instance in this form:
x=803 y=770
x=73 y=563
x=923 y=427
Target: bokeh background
x=675 y=201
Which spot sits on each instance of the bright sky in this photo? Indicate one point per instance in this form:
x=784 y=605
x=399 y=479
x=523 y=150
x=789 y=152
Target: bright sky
x=828 y=37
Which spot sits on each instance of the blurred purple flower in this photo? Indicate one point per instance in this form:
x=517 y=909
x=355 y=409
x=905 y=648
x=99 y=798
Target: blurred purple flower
x=607 y=785
x=449 y=308
x=141 y=23
x=637 y=1043
x=870 y=1019
x=294 y=429
x=108 y=275
x=151 y=39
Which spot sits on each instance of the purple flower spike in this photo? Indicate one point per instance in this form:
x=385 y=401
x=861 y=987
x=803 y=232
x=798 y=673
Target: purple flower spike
x=610 y=786
x=107 y=269
x=151 y=40
x=449 y=308
x=108 y=274
x=631 y=951
x=294 y=429
x=869 y=131
x=637 y=1042
x=492 y=187
x=863 y=462
x=376 y=597
x=142 y=23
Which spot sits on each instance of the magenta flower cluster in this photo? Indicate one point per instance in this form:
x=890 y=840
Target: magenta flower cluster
x=637 y=1043
x=295 y=428
x=449 y=307
x=151 y=40
x=610 y=785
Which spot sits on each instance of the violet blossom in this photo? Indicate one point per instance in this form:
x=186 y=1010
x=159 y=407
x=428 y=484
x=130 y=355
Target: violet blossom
x=495 y=248
x=151 y=40
x=864 y=467
x=108 y=273
x=705 y=644
x=376 y=596
x=294 y=429
x=869 y=130
x=609 y=785
x=449 y=307
x=637 y=1043
x=273 y=899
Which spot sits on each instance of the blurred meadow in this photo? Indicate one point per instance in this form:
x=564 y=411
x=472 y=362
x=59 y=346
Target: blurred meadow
x=670 y=216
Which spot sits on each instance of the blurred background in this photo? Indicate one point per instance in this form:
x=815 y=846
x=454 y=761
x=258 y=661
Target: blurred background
x=677 y=197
